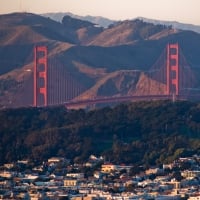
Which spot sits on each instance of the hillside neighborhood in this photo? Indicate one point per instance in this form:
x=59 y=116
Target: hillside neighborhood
x=58 y=178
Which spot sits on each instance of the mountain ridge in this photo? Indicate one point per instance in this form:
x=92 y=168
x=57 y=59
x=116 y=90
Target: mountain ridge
x=174 y=24
x=105 y=22
x=102 y=21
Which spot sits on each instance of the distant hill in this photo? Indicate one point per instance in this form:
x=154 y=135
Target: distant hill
x=101 y=21
x=98 y=59
x=128 y=32
x=83 y=30
x=174 y=24
x=105 y=22
x=40 y=29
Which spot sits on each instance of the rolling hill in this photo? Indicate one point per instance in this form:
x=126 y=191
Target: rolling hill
x=105 y=22
x=100 y=61
x=101 y=21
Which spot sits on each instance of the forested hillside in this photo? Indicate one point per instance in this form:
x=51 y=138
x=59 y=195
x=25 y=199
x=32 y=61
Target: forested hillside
x=137 y=133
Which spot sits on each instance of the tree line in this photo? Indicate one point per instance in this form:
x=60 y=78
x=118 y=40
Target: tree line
x=149 y=133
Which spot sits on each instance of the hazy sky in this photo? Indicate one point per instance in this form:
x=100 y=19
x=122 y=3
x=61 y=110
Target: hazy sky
x=187 y=11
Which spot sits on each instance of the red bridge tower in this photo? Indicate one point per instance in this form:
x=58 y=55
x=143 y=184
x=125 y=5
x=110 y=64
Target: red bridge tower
x=173 y=69
x=40 y=76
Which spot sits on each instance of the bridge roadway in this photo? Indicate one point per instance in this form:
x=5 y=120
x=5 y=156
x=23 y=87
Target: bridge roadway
x=114 y=99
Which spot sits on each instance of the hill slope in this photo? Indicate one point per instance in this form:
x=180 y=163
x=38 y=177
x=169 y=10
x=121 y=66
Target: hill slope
x=127 y=32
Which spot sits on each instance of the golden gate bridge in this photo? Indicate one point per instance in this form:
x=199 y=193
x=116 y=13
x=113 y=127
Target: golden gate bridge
x=174 y=77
